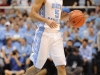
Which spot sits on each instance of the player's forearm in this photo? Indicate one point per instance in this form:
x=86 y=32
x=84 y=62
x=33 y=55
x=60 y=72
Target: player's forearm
x=37 y=17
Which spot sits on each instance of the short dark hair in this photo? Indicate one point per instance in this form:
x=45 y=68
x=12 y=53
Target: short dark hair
x=14 y=52
x=75 y=49
x=70 y=41
x=25 y=15
x=24 y=39
x=85 y=40
x=17 y=24
x=3 y=18
x=99 y=11
x=8 y=39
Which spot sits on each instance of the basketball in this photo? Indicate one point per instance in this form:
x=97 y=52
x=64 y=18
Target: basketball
x=76 y=18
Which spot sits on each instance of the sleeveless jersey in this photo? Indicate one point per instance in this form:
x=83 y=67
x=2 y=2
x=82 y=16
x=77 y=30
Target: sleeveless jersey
x=52 y=11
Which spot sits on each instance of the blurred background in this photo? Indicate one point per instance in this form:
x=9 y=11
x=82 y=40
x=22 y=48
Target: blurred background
x=81 y=45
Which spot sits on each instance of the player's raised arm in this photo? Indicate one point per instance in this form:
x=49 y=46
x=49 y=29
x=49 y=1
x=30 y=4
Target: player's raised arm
x=34 y=13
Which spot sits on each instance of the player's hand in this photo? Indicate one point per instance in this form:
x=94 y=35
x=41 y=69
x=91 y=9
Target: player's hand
x=51 y=24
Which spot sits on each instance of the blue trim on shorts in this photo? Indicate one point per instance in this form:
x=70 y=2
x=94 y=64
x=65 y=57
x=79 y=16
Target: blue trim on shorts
x=38 y=36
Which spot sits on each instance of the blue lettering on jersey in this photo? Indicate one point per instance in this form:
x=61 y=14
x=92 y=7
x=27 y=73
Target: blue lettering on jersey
x=56 y=13
x=57 y=6
x=56 y=20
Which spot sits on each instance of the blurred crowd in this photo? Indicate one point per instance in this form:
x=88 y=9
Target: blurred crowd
x=81 y=45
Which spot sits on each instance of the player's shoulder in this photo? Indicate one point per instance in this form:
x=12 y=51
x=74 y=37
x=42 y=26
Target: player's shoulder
x=43 y=1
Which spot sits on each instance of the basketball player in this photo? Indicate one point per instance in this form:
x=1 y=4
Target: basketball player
x=47 y=41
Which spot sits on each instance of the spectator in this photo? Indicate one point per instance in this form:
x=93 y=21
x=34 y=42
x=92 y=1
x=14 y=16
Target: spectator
x=97 y=68
x=69 y=48
x=18 y=13
x=97 y=9
x=11 y=13
x=92 y=37
x=86 y=52
x=2 y=38
x=25 y=49
x=29 y=2
x=22 y=26
x=1 y=64
x=2 y=25
x=29 y=34
x=97 y=21
x=92 y=13
x=4 y=3
x=6 y=14
x=93 y=22
x=97 y=2
x=66 y=37
x=24 y=2
x=17 y=19
x=76 y=35
x=2 y=28
x=25 y=16
x=83 y=3
x=98 y=40
x=85 y=30
x=9 y=2
x=14 y=3
x=7 y=51
x=74 y=63
x=15 y=64
x=8 y=32
x=17 y=35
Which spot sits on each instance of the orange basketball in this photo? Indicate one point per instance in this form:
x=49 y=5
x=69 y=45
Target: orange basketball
x=76 y=18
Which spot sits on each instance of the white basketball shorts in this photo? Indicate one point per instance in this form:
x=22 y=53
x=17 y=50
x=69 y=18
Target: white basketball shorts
x=48 y=43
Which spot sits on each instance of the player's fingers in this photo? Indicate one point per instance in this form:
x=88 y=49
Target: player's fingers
x=51 y=25
x=55 y=25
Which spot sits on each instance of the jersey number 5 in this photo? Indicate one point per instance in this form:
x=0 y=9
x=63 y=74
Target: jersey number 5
x=56 y=13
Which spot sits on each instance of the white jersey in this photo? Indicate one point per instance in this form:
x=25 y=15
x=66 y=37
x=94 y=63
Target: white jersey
x=52 y=11
x=48 y=42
